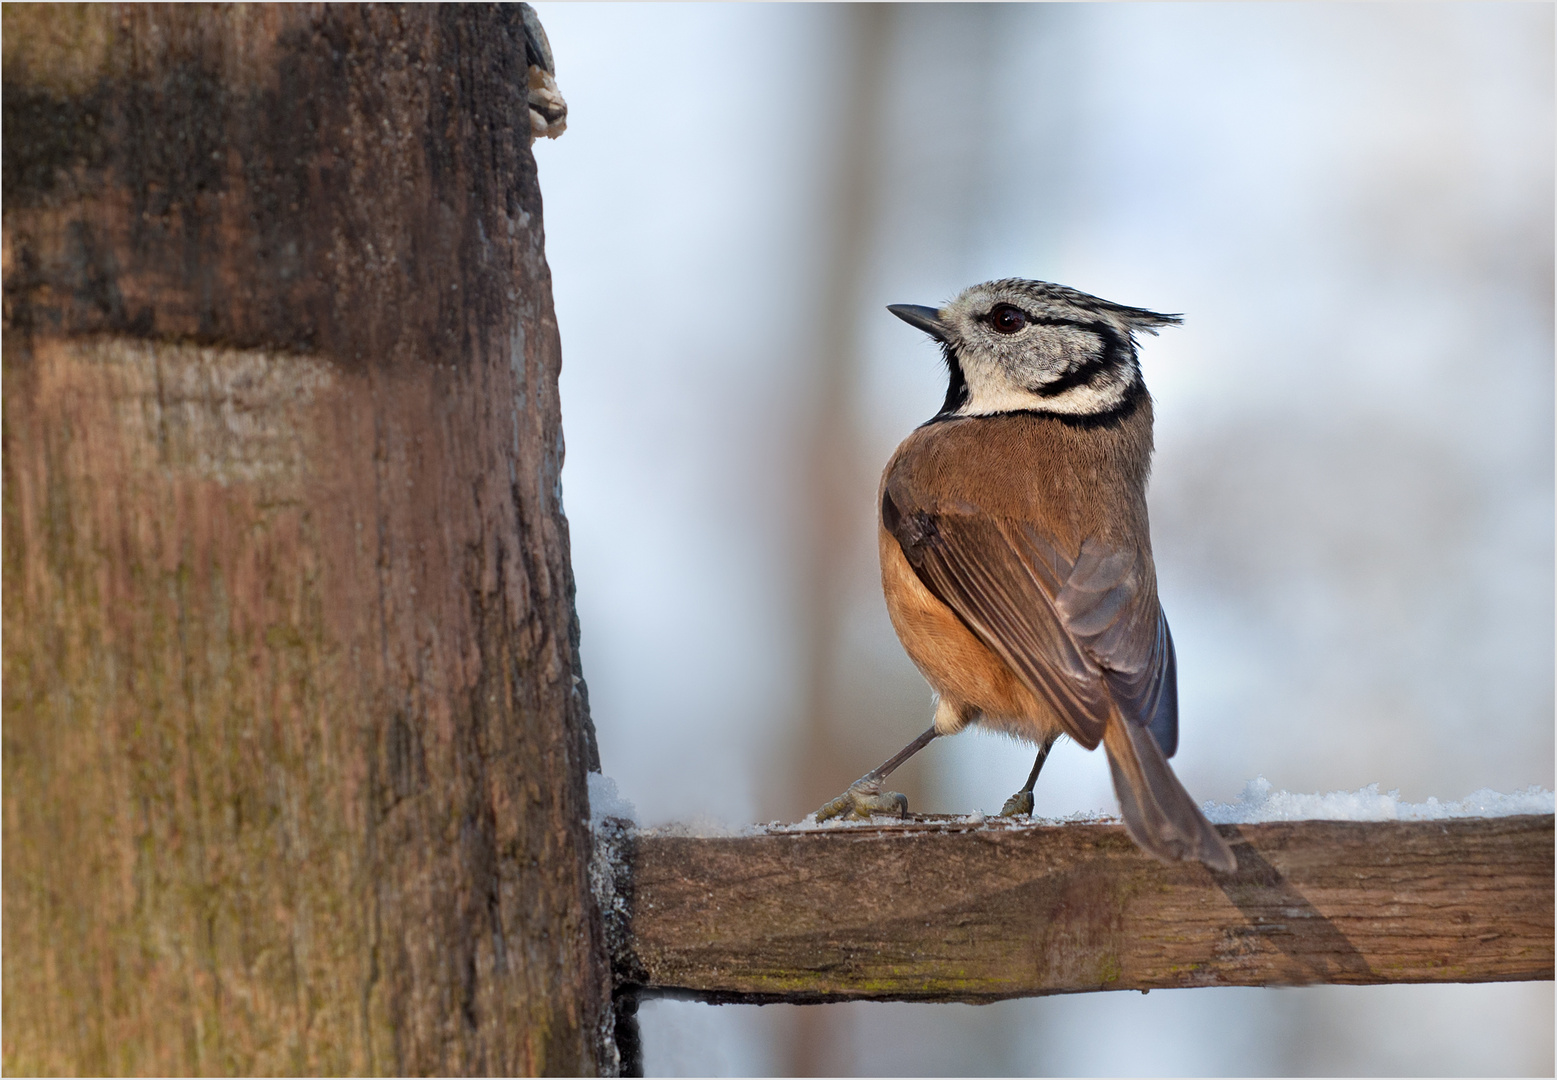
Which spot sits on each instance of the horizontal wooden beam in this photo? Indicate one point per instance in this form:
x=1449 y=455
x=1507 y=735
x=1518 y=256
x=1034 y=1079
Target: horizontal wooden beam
x=944 y=910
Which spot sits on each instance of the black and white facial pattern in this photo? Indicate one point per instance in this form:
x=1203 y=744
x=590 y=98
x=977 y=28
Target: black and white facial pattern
x=1030 y=346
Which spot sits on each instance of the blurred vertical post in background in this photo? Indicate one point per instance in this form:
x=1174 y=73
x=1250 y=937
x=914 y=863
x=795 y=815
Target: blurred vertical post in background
x=294 y=759
x=834 y=476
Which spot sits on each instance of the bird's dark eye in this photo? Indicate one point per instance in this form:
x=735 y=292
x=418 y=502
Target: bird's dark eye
x=1007 y=319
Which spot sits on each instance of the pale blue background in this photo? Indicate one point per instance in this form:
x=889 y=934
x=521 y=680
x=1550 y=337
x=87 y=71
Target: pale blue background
x=1353 y=497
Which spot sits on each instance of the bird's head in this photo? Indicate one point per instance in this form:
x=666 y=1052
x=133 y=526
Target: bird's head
x=1030 y=346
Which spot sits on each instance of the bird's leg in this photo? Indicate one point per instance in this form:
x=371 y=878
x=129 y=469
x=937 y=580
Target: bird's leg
x=865 y=796
x=1022 y=801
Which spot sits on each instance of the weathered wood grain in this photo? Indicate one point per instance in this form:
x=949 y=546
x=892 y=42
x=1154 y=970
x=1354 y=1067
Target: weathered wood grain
x=942 y=911
x=294 y=743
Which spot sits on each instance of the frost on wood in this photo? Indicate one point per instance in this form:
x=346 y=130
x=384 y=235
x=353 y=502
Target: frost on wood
x=1260 y=802
x=607 y=803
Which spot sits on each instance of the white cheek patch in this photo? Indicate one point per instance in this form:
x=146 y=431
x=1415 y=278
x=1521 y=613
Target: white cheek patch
x=986 y=401
x=990 y=393
x=1085 y=400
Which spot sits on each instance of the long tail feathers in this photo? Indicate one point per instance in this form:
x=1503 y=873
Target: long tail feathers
x=1158 y=813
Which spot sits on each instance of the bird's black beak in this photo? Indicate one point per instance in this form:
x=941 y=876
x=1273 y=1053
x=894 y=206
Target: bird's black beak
x=924 y=318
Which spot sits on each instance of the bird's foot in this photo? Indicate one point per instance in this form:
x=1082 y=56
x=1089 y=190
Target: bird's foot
x=1018 y=805
x=864 y=799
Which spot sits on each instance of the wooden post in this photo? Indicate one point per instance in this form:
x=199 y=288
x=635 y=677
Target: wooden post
x=294 y=744
x=949 y=911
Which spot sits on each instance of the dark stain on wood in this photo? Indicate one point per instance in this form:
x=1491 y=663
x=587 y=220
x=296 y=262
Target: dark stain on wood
x=340 y=180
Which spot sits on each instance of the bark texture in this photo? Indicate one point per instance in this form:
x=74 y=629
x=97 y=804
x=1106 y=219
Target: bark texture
x=952 y=912
x=294 y=743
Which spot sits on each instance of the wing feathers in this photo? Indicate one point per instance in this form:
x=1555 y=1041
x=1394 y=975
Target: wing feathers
x=1083 y=635
x=1087 y=637
x=974 y=570
x=1102 y=582
x=1149 y=695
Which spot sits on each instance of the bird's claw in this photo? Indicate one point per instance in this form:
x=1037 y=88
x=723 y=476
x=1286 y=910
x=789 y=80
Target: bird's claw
x=863 y=801
x=1018 y=805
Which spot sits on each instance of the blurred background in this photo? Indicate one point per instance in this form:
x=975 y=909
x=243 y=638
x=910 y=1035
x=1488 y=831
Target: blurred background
x=1352 y=503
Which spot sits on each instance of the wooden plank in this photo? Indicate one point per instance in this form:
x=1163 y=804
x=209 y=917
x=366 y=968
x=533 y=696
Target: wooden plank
x=941 y=910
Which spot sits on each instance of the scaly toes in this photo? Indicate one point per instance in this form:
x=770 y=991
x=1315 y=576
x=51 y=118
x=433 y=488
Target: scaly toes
x=1019 y=804
x=892 y=803
x=840 y=805
x=865 y=802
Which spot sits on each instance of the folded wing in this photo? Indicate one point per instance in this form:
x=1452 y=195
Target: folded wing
x=1088 y=637
x=1083 y=634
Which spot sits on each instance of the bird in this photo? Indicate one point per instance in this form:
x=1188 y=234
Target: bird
x=1016 y=556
